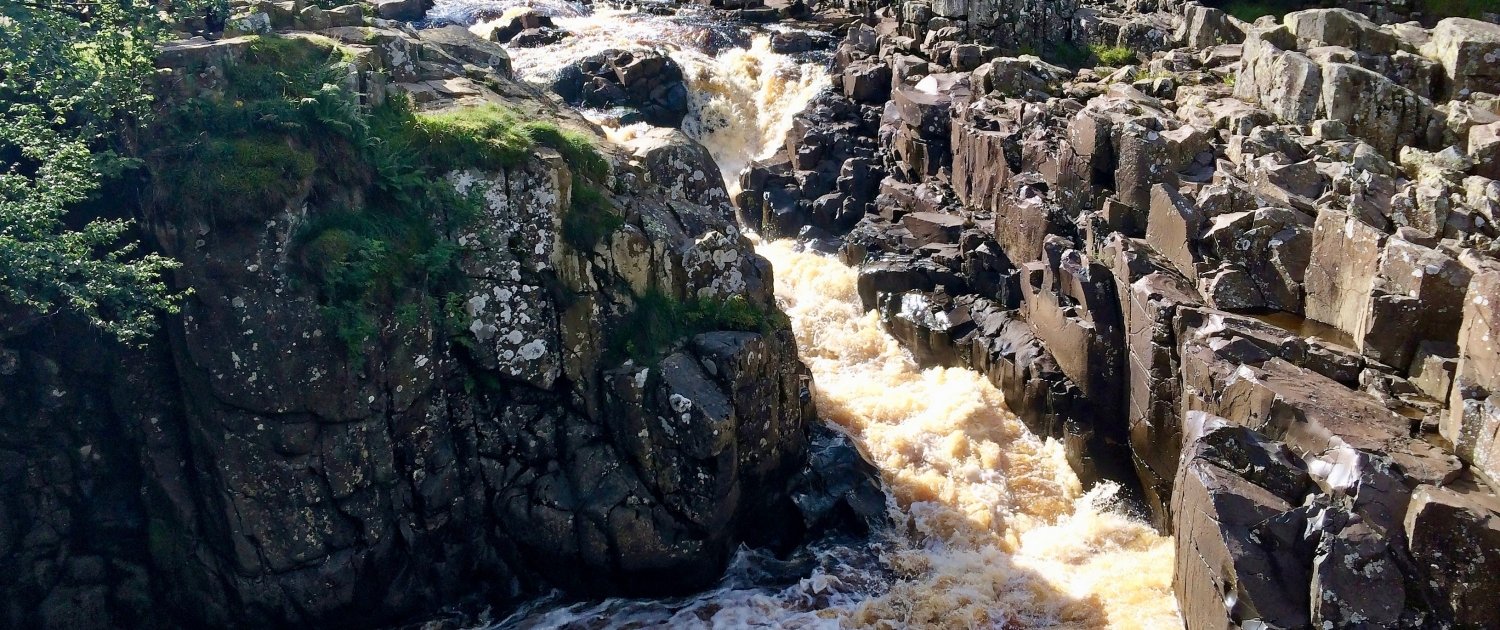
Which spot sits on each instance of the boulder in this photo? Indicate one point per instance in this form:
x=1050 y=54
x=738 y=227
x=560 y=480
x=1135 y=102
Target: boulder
x=1236 y=565
x=1454 y=533
x=461 y=44
x=1272 y=246
x=404 y=10
x=1339 y=27
x=1472 y=423
x=1468 y=50
x=1173 y=228
x=867 y=81
x=648 y=81
x=1206 y=27
x=514 y=22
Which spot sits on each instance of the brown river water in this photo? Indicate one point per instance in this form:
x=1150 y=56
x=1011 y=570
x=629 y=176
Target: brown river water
x=992 y=528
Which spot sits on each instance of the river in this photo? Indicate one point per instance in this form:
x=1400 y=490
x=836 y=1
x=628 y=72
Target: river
x=992 y=528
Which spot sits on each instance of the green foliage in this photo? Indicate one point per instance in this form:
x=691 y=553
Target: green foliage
x=660 y=322
x=1438 y=9
x=73 y=90
x=1113 y=56
x=380 y=234
x=486 y=137
x=1064 y=53
x=490 y=136
x=246 y=177
x=589 y=219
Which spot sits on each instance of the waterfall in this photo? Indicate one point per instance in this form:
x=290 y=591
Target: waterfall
x=992 y=527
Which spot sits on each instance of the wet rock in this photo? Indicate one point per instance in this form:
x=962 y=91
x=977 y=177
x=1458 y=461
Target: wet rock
x=902 y=273
x=405 y=10
x=1154 y=414
x=646 y=80
x=1072 y=304
x=518 y=22
x=839 y=489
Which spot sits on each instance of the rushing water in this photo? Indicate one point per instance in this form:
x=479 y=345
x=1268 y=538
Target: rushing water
x=992 y=528
x=742 y=96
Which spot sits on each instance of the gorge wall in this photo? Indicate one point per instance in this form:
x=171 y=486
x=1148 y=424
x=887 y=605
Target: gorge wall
x=452 y=356
x=1247 y=268
x=584 y=382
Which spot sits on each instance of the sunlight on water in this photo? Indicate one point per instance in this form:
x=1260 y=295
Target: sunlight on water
x=742 y=97
x=993 y=529
x=997 y=530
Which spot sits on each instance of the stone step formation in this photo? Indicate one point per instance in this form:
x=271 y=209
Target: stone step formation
x=1247 y=268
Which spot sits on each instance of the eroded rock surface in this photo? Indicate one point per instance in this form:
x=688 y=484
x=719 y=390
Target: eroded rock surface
x=1250 y=273
x=250 y=467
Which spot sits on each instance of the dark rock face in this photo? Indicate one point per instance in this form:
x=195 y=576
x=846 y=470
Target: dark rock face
x=646 y=80
x=249 y=468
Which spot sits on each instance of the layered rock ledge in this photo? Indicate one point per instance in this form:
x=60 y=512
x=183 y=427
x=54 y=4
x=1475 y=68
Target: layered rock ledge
x=1246 y=268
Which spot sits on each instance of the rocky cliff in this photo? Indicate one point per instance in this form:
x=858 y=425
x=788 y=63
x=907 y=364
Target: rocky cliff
x=462 y=348
x=1244 y=267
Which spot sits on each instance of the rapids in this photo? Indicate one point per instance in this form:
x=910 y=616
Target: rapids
x=742 y=96
x=992 y=528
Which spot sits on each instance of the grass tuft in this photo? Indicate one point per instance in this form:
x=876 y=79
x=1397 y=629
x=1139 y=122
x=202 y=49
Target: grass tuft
x=1113 y=56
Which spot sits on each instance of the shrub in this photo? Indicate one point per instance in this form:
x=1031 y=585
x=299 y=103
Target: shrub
x=660 y=322
x=1113 y=56
x=589 y=219
x=1437 y=9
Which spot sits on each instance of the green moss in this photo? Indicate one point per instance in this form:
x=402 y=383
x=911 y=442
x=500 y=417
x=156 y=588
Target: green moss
x=484 y=137
x=1113 y=56
x=589 y=219
x=576 y=148
x=659 y=323
x=493 y=137
x=239 y=178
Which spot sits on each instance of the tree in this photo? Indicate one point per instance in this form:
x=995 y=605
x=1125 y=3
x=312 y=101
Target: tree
x=73 y=83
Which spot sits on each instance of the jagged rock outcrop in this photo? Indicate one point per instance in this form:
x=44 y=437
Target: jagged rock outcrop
x=257 y=464
x=647 y=81
x=1249 y=274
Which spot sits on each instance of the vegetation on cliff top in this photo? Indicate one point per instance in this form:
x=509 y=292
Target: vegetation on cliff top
x=72 y=93
x=660 y=321
x=384 y=222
